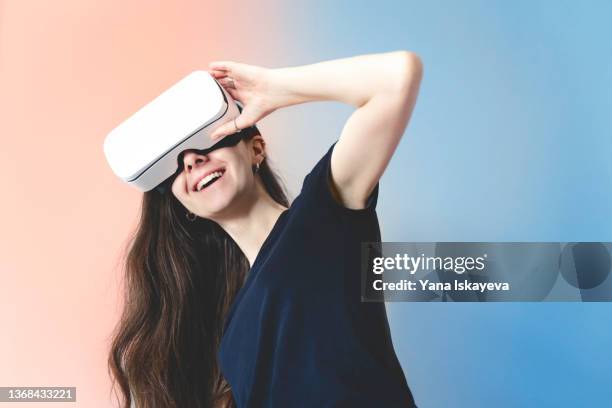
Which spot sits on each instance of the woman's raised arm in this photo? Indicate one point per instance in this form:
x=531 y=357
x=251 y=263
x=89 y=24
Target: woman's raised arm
x=384 y=89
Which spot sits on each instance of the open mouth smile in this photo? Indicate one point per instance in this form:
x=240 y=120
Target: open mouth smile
x=208 y=180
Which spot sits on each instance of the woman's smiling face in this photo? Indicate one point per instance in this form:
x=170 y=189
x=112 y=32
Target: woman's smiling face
x=198 y=186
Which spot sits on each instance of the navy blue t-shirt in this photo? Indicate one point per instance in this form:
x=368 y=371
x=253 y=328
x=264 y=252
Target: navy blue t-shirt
x=297 y=334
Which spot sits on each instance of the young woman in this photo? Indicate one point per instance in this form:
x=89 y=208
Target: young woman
x=238 y=298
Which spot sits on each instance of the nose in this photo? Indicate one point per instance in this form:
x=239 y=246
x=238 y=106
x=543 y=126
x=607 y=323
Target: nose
x=192 y=160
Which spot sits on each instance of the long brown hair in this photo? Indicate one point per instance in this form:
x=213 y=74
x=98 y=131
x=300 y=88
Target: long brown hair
x=180 y=279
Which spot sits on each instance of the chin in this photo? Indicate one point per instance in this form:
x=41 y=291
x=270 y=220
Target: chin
x=215 y=204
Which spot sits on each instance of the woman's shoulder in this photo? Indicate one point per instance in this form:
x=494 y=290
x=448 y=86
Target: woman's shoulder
x=318 y=190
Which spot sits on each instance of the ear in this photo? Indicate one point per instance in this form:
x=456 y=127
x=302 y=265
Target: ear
x=257 y=146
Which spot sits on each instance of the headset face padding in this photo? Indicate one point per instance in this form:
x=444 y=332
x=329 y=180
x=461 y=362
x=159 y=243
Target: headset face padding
x=144 y=149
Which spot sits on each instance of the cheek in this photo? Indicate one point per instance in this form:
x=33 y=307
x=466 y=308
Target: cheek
x=178 y=189
x=240 y=177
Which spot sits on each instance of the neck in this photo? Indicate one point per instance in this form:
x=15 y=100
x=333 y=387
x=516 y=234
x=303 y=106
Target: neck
x=250 y=223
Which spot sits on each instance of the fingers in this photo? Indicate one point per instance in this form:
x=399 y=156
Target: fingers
x=228 y=128
x=223 y=66
x=218 y=70
x=227 y=85
x=223 y=130
x=234 y=94
x=227 y=82
x=217 y=74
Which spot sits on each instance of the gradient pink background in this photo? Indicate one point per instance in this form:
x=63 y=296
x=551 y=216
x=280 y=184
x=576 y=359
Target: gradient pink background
x=70 y=71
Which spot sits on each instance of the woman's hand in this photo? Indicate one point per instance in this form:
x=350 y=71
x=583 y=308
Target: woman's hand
x=251 y=86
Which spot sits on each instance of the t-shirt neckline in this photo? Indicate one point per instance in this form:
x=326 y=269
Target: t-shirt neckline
x=250 y=273
x=266 y=242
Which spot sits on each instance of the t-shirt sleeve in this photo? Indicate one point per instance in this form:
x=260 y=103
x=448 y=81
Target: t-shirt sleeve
x=317 y=189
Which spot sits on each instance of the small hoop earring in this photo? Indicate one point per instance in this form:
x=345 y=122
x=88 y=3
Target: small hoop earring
x=189 y=215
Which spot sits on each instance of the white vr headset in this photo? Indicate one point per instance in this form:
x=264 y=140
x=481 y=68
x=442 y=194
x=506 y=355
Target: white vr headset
x=145 y=149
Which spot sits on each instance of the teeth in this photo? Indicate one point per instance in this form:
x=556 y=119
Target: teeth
x=208 y=178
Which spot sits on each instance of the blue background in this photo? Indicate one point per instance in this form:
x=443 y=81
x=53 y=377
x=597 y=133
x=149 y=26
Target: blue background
x=510 y=141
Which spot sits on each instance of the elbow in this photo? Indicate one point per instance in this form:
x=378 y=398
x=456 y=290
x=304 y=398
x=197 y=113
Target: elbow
x=411 y=72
